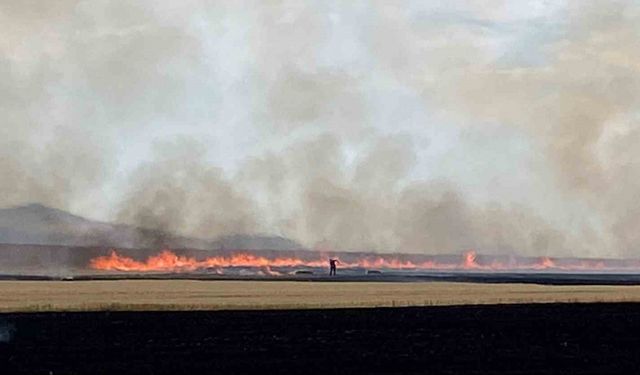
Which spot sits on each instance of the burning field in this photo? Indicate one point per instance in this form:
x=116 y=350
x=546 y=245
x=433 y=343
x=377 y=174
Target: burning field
x=58 y=262
x=282 y=263
x=247 y=311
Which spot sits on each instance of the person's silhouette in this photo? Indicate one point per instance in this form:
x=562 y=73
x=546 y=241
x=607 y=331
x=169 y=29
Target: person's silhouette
x=332 y=266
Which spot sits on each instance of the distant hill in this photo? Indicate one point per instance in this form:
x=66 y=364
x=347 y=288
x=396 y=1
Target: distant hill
x=42 y=225
x=37 y=224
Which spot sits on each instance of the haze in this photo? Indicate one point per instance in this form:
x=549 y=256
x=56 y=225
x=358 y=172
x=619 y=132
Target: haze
x=410 y=126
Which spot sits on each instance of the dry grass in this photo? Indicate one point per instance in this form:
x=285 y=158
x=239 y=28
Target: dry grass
x=218 y=295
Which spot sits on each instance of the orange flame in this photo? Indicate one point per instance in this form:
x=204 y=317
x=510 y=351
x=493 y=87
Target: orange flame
x=544 y=263
x=470 y=260
x=167 y=261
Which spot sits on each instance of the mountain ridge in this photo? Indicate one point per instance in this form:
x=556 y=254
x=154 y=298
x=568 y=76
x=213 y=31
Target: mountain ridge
x=37 y=224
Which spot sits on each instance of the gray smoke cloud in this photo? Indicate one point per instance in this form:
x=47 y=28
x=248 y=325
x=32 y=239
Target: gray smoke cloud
x=180 y=193
x=509 y=128
x=577 y=107
x=375 y=206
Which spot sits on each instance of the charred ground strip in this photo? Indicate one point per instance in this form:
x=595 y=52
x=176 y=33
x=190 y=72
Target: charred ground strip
x=516 y=339
x=358 y=275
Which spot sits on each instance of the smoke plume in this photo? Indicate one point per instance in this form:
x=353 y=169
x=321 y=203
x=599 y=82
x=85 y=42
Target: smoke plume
x=405 y=127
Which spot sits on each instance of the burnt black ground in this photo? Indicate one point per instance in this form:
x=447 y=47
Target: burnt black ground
x=360 y=275
x=497 y=339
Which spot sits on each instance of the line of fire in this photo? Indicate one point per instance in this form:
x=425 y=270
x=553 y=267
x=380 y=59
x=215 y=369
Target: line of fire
x=313 y=262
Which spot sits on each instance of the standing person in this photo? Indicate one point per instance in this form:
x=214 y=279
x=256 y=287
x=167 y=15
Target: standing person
x=332 y=266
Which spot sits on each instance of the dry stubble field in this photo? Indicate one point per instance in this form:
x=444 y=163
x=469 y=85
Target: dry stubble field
x=153 y=295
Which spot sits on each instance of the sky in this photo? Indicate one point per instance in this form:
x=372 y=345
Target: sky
x=418 y=126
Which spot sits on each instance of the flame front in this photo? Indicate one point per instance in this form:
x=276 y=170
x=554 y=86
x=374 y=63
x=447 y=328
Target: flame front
x=167 y=261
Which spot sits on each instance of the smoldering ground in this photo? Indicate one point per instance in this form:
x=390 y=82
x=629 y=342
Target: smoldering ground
x=366 y=126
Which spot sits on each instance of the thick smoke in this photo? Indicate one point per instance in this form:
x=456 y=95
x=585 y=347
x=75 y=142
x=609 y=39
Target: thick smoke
x=180 y=193
x=332 y=102
x=73 y=77
x=579 y=106
x=310 y=193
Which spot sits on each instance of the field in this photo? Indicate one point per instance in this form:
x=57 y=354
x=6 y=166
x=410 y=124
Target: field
x=483 y=339
x=159 y=295
x=286 y=327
